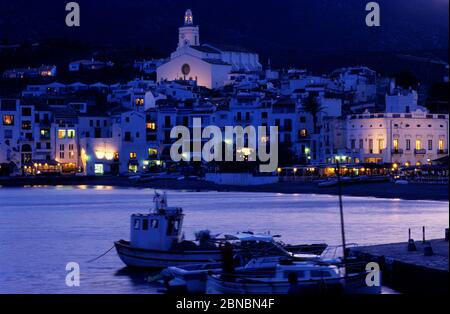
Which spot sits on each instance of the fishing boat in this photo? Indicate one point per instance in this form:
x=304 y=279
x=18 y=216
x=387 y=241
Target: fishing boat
x=156 y=240
x=290 y=277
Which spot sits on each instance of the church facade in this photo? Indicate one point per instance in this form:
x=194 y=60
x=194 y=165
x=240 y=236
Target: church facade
x=207 y=64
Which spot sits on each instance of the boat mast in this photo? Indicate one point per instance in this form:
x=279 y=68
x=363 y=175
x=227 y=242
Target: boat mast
x=341 y=209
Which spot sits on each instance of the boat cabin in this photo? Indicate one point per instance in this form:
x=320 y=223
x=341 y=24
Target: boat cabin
x=307 y=271
x=158 y=230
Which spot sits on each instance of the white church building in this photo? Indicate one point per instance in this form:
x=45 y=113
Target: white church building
x=207 y=64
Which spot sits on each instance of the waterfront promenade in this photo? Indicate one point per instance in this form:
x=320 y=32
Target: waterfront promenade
x=380 y=190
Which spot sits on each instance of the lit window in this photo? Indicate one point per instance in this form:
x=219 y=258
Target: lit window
x=45 y=133
x=70 y=133
x=303 y=133
x=395 y=143
x=381 y=144
x=8 y=119
x=133 y=155
x=418 y=144
x=151 y=125
x=152 y=152
x=441 y=144
x=98 y=169
x=26 y=125
x=139 y=101
x=61 y=134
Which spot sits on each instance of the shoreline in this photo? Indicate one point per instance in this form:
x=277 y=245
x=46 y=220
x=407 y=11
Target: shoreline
x=379 y=190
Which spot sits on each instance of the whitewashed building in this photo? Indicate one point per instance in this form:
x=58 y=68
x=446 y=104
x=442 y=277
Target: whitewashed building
x=207 y=64
x=402 y=138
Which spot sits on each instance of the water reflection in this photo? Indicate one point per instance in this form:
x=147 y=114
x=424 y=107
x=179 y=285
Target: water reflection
x=42 y=229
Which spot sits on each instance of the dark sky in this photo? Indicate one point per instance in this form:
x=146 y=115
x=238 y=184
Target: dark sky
x=282 y=29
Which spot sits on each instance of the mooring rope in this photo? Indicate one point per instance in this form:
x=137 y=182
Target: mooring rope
x=94 y=259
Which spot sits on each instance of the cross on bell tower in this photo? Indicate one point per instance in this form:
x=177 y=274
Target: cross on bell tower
x=188 y=34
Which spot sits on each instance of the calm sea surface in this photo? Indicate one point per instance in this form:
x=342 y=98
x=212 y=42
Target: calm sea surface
x=44 y=228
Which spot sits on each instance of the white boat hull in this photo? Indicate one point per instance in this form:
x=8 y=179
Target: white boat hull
x=215 y=285
x=142 y=258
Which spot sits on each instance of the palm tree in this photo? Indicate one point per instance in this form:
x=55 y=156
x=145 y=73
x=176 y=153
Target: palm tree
x=313 y=107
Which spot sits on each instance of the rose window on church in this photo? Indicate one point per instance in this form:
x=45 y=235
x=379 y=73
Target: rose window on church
x=185 y=69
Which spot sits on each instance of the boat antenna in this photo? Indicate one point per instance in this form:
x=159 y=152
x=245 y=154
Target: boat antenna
x=341 y=209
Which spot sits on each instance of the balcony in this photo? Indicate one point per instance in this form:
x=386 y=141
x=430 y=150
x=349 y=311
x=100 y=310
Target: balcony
x=397 y=151
x=442 y=151
x=421 y=151
x=43 y=149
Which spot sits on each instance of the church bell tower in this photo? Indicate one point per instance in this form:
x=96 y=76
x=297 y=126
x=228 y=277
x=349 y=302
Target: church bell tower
x=188 y=35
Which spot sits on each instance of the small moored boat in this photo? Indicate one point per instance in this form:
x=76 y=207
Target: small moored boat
x=156 y=240
x=290 y=277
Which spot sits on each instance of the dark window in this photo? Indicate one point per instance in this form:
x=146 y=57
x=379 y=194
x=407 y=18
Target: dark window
x=173 y=226
x=36 y=117
x=98 y=133
x=127 y=137
x=144 y=224
x=88 y=134
x=127 y=119
x=26 y=112
x=264 y=115
x=38 y=145
x=300 y=274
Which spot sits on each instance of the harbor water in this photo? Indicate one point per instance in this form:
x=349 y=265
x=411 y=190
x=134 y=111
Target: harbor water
x=44 y=228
